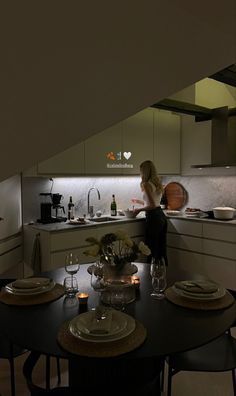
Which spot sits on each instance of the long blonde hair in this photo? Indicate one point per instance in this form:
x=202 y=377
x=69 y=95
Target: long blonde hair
x=149 y=174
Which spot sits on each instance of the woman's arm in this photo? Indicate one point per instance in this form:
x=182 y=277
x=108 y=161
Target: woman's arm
x=138 y=201
x=150 y=201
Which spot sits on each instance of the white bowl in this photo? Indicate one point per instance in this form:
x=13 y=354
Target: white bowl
x=130 y=214
x=224 y=213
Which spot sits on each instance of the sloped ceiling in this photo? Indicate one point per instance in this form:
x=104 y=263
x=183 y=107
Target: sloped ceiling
x=71 y=69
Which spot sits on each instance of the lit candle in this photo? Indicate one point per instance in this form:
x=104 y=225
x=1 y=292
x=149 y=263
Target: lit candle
x=135 y=280
x=82 y=297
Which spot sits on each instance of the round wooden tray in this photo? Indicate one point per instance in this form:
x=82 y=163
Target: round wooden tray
x=176 y=196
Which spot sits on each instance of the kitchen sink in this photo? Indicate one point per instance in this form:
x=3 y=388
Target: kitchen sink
x=103 y=219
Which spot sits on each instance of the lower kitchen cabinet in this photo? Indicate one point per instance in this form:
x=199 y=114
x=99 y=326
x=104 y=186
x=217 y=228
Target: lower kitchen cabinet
x=56 y=244
x=182 y=264
x=11 y=255
x=202 y=249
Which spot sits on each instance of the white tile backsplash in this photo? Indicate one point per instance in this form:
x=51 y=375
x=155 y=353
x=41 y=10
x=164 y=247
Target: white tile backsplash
x=207 y=192
x=203 y=192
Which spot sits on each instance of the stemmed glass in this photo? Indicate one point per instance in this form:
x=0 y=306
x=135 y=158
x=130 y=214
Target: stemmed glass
x=71 y=267
x=97 y=277
x=72 y=263
x=98 y=284
x=158 y=274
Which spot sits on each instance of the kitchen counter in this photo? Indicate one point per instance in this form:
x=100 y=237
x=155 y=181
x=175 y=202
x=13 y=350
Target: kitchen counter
x=202 y=219
x=64 y=226
x=57 y=239
x=121 y=220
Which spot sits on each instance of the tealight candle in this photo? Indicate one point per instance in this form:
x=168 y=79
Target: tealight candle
x=82 y=297
x=135 y=280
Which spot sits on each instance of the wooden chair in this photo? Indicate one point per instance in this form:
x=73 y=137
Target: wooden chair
x=34 y=389
x=10 y=352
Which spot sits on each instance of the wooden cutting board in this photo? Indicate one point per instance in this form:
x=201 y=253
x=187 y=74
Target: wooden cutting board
x=175 y=196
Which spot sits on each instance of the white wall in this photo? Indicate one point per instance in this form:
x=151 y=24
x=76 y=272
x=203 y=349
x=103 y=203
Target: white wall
x=10 y=206
x=11 y=252
x=71 y=70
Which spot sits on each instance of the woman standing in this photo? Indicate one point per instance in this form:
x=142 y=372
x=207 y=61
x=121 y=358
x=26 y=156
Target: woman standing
x=156 y=222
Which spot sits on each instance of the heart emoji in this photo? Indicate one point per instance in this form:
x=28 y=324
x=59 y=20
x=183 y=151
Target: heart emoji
x=127 y=155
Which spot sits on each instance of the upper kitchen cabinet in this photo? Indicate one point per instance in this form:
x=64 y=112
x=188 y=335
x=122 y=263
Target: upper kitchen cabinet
x=119 y=150
x=103 y=152
x=167 y=142
x=137 y=141
x=69 y=162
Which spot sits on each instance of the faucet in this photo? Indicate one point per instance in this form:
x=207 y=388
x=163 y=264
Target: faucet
x=90 y=208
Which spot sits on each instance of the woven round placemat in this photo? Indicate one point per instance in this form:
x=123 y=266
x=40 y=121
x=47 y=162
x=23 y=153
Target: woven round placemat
x=220 y=303
x=10 y=299
x=101 y=349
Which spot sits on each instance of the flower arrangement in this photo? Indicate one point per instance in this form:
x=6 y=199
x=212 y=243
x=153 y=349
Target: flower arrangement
x=116 y=249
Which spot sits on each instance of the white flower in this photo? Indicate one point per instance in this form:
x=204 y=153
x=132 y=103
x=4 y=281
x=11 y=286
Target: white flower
x=128 y=242
x=144 y=249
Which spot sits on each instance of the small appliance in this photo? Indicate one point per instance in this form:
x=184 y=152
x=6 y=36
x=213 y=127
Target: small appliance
x=45 y=208
x=59 y=209
x=51 y=203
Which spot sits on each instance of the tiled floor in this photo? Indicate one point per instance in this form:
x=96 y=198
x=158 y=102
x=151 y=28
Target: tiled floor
x=39 y=372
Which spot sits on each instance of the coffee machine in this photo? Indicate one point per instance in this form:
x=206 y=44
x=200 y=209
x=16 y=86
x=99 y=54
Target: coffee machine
x=58 y=209
x=51 y=210
x=45 y=208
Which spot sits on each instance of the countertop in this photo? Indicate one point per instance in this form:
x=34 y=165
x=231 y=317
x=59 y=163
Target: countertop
x=53 y=227
x=203 y=219
x=64 y=226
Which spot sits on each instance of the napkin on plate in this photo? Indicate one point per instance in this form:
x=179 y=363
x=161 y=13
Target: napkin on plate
x=30 y=283
x=198 y=286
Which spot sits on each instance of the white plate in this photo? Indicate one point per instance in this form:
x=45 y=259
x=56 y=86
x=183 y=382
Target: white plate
x=29 y=292
x=113 y=324
x=30 y=284
x=118 y=316
x=173 y=212
x=195 y=214
x=200 y=296
x=77 y=222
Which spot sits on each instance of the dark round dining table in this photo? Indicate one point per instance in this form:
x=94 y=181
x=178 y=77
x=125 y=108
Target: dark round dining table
x=170 y=328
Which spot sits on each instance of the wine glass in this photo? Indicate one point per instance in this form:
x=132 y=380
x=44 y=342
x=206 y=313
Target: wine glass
x=97 y=277
x=98 y=284
x=71 y=286
x=158 y=274
x=72 y=263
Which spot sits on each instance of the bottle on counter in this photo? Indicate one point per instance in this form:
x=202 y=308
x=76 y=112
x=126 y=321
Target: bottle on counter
x=71 y=210
x=113 y=206
x=164 y=203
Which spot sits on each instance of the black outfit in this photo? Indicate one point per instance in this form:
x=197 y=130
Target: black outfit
x=155 y=235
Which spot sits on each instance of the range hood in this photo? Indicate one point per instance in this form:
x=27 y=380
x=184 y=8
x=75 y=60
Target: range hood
x=223 y=132
x=226 y=76
x=223 y=140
